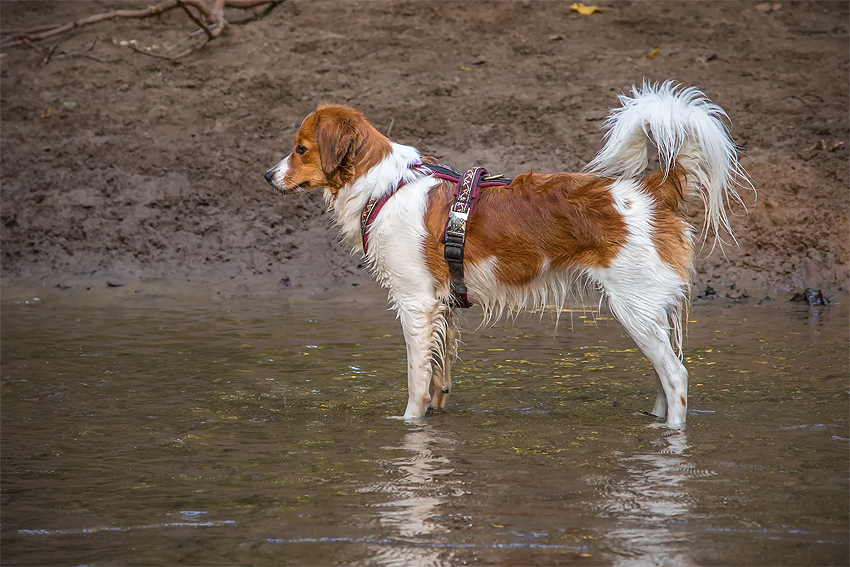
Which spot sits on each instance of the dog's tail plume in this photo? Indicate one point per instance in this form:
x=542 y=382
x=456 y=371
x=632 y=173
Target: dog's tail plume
x=688 y=130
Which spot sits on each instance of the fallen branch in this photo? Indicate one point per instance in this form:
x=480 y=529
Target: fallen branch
x=28 y=43
x=256 y=17
x=212 y=21
x=192 y=17
x=84 y=53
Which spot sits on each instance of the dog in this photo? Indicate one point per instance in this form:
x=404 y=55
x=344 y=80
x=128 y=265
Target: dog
x=540 y=237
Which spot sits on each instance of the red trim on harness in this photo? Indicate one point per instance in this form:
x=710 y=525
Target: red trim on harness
x=370 y=213
x=373 y=207
x=455 y=179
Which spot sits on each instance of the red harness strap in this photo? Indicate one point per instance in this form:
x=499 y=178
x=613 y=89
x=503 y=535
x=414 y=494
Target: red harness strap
x=370 y=213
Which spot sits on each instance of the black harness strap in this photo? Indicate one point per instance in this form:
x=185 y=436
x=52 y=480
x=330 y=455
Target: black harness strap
x=455 y=234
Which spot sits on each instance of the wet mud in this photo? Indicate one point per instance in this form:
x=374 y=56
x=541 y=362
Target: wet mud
x=144 y=168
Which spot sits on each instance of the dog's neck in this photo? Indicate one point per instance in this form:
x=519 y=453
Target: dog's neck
x=375 y=182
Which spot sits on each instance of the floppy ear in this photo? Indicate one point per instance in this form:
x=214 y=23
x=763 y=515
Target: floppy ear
x=337 y=141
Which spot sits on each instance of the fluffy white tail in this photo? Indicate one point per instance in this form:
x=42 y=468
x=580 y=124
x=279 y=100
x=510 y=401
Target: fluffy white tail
x=689 y=130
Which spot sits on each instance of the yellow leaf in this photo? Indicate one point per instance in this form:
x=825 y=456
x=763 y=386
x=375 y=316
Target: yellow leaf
x=46 y=113
x=652 y=53
x=767 y=7
x=584 y=10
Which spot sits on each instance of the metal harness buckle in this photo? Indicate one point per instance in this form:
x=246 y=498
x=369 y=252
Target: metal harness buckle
x=457 y=224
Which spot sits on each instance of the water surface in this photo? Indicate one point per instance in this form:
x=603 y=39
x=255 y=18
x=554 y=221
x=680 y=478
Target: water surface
x=155 y=430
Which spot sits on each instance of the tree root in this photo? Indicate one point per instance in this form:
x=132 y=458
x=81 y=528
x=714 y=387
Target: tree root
x=210 y=20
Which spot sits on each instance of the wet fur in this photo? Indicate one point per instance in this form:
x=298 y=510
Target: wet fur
x=543 y=239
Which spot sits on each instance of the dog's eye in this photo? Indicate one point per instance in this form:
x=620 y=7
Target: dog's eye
x=300 y=150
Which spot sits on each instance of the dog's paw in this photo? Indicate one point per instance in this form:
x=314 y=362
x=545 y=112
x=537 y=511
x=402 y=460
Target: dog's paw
x=665 y=425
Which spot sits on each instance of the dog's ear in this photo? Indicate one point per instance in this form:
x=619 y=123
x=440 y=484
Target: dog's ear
x=336 y=137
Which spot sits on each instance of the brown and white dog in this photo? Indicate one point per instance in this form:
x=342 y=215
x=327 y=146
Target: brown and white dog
x=539 y=239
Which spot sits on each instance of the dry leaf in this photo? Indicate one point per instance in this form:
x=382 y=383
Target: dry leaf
x=46 y=113
x=819 y=145
x=584 y=10
x=766 y=7
x=652 y=53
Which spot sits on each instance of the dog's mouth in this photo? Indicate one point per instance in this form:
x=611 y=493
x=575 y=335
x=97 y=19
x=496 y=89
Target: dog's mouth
x=284 y=190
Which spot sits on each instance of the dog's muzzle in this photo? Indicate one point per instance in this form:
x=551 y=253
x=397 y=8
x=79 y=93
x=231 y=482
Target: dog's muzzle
x=276 y=174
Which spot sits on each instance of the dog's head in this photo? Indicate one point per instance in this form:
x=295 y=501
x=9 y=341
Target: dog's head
x=331 y=148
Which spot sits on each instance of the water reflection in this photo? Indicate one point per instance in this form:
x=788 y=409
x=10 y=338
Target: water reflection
x=651 y=502
x=815 y=316
x=419 y=487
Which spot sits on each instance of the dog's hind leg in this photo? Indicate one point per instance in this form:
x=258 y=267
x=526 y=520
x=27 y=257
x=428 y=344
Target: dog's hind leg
x=645 y=309
x=672 y=375
x=652 y=336
x=659 y=410
x=443 y=369
x=646 y=292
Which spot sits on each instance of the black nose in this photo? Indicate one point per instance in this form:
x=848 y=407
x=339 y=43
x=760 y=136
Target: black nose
x=269 y=175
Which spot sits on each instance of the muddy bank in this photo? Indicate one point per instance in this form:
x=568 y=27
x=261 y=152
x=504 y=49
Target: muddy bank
x=147 y=170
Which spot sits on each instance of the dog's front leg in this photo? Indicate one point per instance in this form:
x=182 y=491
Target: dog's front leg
x=419 y=337
x=443 y=371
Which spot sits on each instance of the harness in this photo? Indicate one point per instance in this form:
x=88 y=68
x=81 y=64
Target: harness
x=466 y=191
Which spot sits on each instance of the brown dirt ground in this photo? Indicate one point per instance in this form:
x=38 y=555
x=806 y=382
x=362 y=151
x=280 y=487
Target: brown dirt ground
x=151 y=169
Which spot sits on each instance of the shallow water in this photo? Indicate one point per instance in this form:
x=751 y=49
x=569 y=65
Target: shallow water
x=255 y=431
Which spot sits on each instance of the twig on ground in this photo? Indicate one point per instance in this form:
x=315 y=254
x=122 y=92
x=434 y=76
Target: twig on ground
x=160 y=55
x=212 y=22
x=93 y=58
x=201 y=24
x=188 y=37
x=28 y=43
x=58 y=43
x=180 y=55
x=256 y=17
